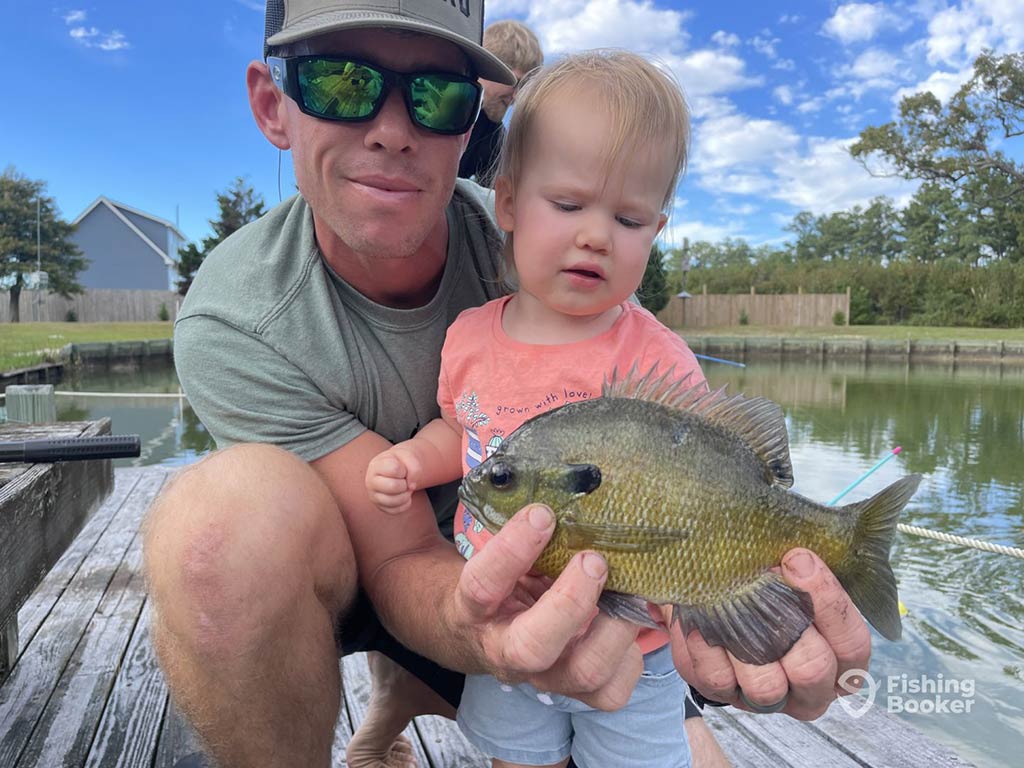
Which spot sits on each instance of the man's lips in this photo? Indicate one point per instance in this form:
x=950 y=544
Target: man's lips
x=386 y=184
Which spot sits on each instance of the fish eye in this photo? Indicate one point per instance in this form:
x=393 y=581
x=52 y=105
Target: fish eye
x=502 y=475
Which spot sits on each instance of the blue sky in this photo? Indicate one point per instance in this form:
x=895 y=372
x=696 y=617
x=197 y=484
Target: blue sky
x=145 y=102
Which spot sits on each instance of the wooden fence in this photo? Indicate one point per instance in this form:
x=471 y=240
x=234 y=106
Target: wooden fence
x=716 y=310
x=98 y=306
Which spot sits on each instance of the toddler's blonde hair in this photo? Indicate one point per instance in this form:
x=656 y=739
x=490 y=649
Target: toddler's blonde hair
x=644 y=102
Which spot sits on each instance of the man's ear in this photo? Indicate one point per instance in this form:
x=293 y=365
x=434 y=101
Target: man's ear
x=267 y=103
x=504 y=207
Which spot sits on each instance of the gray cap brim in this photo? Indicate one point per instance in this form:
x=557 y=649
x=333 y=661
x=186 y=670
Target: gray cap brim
x=488 y=66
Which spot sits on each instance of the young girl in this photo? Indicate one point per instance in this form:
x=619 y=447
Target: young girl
x=595 y=146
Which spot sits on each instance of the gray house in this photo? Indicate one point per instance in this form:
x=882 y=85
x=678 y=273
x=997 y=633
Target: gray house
x=126 y=247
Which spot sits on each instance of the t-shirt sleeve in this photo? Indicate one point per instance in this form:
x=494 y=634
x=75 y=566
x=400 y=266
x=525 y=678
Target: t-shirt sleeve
x=244 y=391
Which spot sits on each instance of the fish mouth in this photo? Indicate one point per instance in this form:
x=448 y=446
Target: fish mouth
x=482 y=512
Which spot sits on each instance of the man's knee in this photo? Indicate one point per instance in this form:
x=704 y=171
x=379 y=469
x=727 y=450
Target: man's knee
x=236 y=539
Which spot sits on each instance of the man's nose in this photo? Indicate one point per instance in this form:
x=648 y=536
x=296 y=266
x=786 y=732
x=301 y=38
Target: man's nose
x=392 y=129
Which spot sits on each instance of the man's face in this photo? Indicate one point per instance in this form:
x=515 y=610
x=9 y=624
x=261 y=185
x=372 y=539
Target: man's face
x=377 y=189
x=498 y=97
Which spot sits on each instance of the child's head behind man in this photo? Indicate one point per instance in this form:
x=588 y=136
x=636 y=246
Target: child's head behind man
x=596 y=144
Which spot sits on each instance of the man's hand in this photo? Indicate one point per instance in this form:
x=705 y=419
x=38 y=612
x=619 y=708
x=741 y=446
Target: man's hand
x=558 y=643
x=838 y=640
x=391 y=478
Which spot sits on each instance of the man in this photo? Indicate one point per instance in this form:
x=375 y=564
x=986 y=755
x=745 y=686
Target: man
x=309 y=342
x=519 y=50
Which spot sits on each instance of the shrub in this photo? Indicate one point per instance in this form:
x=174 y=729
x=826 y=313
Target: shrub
x=839 y=317
x=164 y=314
x=744 y=317
x=71 y=316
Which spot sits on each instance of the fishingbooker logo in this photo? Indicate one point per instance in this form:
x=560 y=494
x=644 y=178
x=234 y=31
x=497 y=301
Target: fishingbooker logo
x=920 y=695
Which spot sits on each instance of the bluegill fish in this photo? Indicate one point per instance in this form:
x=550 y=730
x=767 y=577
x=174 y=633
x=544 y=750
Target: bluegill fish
x=685 y=493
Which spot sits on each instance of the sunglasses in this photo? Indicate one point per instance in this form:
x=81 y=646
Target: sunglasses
x=352 y=91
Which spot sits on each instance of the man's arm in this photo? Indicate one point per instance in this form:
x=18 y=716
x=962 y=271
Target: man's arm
x=465 y=616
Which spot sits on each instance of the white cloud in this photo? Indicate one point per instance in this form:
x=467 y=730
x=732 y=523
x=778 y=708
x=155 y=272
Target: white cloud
x=957 y=35
x=857 y=22
x=874 y=64
x=706 y=72
x=784 y=93
x=115 y=41
x=739 y=140
x=810 y=105
x=572 y=25
x=765 y=45
x=679 y=227
x=91 y=37
x=789 y=18
x=825 y=179
x=725 y=39
x=942 y=84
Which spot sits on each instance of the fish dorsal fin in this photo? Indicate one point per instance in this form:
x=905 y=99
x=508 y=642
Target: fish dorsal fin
x=757 y=421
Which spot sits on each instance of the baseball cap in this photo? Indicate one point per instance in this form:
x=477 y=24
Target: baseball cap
x=460 y=21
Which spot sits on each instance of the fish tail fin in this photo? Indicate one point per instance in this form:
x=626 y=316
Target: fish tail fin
x=866 y=574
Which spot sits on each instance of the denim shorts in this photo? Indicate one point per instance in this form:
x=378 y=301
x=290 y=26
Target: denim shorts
x=519 y=724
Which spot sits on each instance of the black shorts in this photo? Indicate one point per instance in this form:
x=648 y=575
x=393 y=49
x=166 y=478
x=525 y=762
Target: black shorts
x=361 y=630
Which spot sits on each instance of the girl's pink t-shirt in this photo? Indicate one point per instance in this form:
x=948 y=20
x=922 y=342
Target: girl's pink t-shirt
x=491 y=383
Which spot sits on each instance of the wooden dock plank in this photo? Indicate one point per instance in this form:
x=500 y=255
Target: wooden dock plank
x=64 y=732
x=39 y=605
x=790 y=742
x=130 y=727
x=42 y=509
x=356 y=679
x=32 y=682
x=879 y=738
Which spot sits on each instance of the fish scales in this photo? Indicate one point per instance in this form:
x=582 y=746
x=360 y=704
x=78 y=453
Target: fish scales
x=690 y=506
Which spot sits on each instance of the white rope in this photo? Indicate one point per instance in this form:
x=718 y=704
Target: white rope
x=175 y=395
x=950 y=538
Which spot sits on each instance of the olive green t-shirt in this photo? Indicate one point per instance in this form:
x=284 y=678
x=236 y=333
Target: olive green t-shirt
x=271 y=346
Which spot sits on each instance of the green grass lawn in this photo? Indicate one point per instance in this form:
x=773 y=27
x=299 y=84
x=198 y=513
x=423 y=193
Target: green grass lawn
x=900 y=332
x=26 y=344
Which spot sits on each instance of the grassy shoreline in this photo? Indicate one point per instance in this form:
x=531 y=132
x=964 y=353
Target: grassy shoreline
x=26 y=344
x=879 y=332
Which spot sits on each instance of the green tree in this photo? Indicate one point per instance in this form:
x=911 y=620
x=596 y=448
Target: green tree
x=653 y=290
x=57 y=255
x=949 y=144
x=239 y=204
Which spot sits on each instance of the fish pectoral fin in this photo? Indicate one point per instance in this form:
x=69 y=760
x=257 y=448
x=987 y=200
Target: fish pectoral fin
x=758 y=624
x=629 y=607
x=620 y=538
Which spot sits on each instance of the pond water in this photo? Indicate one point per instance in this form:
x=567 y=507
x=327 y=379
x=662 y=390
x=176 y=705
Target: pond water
x=961 y=428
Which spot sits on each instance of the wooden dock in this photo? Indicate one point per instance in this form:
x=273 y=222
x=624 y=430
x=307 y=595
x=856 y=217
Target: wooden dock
x=86 y=690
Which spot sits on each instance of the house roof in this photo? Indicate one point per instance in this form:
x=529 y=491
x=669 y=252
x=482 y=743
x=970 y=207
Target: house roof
x=119 y=209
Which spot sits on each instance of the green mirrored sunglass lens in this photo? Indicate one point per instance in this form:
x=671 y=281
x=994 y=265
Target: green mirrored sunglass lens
x=339 y=89
x=442 y=103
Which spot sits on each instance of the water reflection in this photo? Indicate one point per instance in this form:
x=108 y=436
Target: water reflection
x=171 y=432
x=962 y=428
